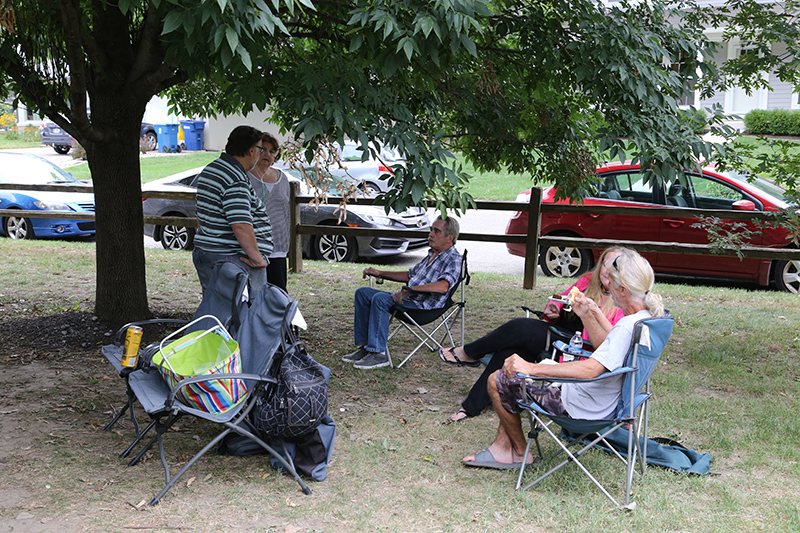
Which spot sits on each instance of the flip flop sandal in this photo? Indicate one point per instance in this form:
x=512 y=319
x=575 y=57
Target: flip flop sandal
x=485 y=459
x=457 y=362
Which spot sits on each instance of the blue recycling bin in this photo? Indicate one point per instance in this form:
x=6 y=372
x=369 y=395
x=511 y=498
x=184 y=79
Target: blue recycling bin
x=167 y=137
x=193 y=133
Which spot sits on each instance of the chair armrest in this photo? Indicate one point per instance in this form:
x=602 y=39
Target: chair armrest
x=563 y=347
x=529 y=312
x=415 y=291
x=605 y=375
x=210 y=377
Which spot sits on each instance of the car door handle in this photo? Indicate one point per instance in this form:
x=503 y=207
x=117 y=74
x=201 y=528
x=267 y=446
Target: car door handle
x=594 y=215
x=674 y=222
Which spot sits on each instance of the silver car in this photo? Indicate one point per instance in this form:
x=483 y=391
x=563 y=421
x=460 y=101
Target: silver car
x=371 y=175
x=326 y=247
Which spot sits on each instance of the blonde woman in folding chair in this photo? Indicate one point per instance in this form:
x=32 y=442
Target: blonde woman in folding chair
x=595 y=315
x=631 y=283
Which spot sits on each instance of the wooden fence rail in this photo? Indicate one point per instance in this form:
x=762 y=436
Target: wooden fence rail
x=532 y=240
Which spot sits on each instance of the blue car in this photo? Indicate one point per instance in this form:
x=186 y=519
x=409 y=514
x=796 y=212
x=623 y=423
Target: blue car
x=33 y=170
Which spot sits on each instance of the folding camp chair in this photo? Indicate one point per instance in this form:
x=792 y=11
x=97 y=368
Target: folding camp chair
x=650 y=336
x=441 y=318
x=257 y=325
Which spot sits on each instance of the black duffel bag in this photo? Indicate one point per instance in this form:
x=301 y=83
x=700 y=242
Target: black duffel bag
x=298 y=402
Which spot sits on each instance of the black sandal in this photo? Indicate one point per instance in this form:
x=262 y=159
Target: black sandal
x=457 y=362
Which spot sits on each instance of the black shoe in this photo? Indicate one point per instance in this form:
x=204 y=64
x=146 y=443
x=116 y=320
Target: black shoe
x=373 y=360
x=358 y=355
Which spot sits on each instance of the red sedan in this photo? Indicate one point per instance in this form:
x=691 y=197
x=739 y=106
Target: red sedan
x=624 y=185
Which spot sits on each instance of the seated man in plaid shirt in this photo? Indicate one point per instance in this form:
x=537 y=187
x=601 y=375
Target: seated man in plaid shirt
x=435 y=274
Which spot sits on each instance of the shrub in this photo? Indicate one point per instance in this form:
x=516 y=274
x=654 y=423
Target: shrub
x=772 y=122
x=7 y=120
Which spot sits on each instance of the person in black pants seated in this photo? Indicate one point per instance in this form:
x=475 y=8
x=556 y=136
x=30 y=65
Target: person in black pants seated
x=593 y=312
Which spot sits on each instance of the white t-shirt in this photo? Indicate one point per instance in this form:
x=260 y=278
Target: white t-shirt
x=598 y=400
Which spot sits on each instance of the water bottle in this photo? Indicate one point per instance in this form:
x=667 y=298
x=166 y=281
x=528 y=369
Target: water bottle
x=575 y=345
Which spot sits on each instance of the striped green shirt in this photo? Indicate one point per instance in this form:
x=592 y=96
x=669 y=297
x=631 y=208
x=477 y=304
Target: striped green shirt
x=225 y=197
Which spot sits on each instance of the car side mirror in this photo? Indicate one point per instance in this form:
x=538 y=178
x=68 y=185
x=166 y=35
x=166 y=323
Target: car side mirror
x=744 y=205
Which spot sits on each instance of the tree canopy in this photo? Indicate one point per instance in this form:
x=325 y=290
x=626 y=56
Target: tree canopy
x=548 y=87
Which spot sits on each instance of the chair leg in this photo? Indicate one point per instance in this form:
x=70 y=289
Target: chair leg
x=533 y=436
x=231 y=426
x=571 y=458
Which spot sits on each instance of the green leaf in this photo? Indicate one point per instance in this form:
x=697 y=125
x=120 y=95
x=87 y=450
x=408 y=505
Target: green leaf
x=232 y=38
x=172 y=21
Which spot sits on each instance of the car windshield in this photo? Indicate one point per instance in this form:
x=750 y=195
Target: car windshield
x=32 y=171
x=762 y=185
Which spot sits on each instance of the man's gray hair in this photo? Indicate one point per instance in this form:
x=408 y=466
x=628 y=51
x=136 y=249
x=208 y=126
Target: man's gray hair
x=451 y=227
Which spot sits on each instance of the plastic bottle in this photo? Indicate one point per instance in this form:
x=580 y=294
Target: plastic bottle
x=576 y=345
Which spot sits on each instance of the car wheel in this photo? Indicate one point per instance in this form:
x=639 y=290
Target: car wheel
x=177 y=238
x=151 y=140
x=335 y=248
x=787 y=276
x=371 y=189
x=18 y=228
x=61 y=148
x=564 y=262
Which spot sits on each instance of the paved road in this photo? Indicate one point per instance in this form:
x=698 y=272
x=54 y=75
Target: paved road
x=483 y=257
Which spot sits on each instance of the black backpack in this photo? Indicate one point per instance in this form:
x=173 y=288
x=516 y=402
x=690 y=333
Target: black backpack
x=298 y=402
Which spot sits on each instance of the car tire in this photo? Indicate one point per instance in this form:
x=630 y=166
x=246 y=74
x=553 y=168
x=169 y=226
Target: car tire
x=787 y=276
x=563 y=262
x=62 y=149
x=176 y=237
x=151 y=140
x=18 y=228
x=371 y=189
x=335 y=248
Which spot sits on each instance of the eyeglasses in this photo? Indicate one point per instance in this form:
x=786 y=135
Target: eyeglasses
x=260 y=149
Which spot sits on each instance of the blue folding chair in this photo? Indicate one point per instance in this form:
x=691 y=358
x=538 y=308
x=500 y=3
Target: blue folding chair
x=650 y=336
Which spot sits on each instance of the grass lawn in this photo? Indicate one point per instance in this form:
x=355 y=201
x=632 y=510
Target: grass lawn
x=728 y=384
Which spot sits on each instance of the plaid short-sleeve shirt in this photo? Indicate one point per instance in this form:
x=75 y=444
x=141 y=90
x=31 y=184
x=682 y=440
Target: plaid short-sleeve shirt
x=446 y=266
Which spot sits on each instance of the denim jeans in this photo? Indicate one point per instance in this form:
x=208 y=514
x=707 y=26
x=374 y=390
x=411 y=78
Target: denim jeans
x=371 y=318
x=204 y=264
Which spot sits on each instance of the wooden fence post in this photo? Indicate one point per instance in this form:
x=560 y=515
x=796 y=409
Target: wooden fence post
x=295 y=246
x=532 y=239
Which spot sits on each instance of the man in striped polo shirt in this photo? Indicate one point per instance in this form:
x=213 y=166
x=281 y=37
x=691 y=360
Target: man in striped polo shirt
x=234 y=225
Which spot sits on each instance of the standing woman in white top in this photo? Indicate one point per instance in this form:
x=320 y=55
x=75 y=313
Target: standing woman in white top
x=272 y=186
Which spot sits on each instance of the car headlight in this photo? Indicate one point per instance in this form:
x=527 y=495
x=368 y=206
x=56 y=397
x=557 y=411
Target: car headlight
x=378 y=220
x=51 y=206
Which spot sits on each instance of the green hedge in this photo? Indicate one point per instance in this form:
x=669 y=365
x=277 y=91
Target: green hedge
x=773 y=122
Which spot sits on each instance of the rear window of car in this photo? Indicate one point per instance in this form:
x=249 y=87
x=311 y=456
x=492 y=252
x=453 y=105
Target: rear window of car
x=31 y=171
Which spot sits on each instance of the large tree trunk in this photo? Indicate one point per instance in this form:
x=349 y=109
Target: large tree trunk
x=121 y=293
